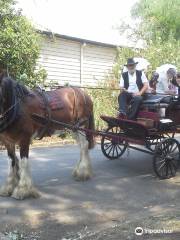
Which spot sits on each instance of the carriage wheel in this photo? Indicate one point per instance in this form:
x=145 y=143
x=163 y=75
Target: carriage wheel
x=167 y=158
x=111 y=147
x=151 y=143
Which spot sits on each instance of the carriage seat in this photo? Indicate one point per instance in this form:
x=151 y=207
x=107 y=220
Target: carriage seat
x=156 y=101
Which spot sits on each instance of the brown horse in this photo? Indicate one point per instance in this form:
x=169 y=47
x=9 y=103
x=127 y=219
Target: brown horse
x=17 y=104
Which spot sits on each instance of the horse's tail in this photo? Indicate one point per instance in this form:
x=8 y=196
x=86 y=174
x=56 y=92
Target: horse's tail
x=91 y=126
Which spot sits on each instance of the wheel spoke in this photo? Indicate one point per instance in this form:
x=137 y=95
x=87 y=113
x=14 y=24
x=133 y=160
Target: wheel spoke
x=161 y=161
x=162 y=171
x=118 y=146
x=162 y=165
x=174 y=149
x=110 y=149
x=113 y=150
x=171 y=147
x=167 y=167
x=174 y=165
x=171 y=169
x=107 y=143
x=109 y=146
x=166 y=147
x=116 y=150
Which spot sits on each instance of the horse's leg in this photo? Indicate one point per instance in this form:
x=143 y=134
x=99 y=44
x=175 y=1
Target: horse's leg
x=25 y=188
x=13 y=176
x=83 y=169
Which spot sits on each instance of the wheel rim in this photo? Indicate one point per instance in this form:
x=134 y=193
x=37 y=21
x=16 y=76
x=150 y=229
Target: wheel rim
x=111 y=147
x=166 y=160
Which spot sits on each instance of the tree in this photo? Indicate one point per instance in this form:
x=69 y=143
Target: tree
x=159 y=26
x=19 y=44
x=158 y=19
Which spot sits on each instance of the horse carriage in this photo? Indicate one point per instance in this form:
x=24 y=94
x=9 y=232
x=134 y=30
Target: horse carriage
x=149 y=133
x=26 y=114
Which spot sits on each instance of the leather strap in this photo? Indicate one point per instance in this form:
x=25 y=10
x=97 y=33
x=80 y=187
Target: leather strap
x=45 y=130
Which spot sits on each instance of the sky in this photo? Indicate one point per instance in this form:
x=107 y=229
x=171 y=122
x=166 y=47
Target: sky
x=89 y=19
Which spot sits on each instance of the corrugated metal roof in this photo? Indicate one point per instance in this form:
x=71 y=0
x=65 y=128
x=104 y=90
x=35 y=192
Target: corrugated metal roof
x=51 y=34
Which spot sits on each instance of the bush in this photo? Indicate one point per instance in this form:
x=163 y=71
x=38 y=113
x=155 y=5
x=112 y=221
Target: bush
x=105 y=101
x=19 y=45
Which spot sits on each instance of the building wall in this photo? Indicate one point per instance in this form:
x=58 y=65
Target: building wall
x=75 y=63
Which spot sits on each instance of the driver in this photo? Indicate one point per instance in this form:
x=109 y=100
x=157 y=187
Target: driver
x=133 y=85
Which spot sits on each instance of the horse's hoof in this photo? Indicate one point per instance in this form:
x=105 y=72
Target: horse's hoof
x=21 y=193
x=6 y=190
x=82 y=175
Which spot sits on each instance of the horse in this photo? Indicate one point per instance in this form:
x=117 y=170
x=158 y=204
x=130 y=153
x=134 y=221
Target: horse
x=17 y=128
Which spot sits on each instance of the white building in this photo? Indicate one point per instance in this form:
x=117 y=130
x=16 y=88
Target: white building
x=75 y=61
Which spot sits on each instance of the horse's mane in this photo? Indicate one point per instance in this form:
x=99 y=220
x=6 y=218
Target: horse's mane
x=13 y=93
x=13 y=87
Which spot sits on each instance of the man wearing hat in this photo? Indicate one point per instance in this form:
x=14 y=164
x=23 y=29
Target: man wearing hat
x=133 y=85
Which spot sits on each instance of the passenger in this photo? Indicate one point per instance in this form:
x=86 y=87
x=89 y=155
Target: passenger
x=154 y=80
x=133 y=85
x=178 y=82
x=168 y=84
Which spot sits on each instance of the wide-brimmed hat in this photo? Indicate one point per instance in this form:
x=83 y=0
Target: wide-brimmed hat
x=130 y=61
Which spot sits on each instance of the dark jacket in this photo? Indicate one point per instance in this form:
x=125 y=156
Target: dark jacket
x=139 y=82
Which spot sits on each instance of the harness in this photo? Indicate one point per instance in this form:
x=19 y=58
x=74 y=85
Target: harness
x=45 y=129
x=48 y=114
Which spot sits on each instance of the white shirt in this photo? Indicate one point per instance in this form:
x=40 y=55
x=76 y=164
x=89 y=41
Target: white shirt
x=133 y=88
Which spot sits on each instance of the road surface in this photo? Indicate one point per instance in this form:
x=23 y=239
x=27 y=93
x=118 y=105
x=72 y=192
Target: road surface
x=122 y=195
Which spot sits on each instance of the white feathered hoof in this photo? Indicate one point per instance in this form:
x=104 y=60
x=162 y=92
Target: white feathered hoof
x=82 y=173
x=6 y=190
x=23 y=192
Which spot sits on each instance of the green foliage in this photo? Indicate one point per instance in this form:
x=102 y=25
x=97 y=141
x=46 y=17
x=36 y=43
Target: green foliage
x=105 y=102
x=159 y=26
x=6 y=6
x=19 y=45
x=159 y=19
x=158 y=54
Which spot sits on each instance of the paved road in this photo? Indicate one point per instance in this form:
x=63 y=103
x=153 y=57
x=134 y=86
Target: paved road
x=123 y=191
